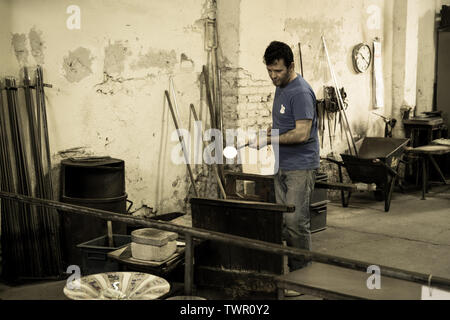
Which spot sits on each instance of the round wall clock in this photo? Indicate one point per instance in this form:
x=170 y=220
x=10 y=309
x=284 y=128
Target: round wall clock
x=362 y=56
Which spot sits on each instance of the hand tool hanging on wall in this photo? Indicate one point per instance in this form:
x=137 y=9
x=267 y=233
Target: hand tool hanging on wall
x=328 y=108
x=341 y=104
x=329 y=132
x=181 y=139
x=216 y=171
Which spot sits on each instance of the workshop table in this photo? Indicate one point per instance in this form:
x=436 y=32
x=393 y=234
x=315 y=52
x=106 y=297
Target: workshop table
x=426 y=154
x=433 y=128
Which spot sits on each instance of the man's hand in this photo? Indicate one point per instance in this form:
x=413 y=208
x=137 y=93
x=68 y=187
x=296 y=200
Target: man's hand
x=259 y=141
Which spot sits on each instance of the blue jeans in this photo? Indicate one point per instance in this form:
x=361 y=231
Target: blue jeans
x=295 y=188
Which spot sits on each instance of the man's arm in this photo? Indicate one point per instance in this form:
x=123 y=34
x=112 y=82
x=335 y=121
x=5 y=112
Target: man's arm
x=300 y=134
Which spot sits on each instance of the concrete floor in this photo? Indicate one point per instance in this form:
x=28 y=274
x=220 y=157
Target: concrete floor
x=414 y=236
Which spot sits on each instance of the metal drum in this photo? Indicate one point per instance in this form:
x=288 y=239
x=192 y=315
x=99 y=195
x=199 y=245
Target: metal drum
x=97 y=183
x=93 y=178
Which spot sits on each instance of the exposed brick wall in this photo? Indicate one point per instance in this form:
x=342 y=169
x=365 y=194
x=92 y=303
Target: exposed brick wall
x=247 y=103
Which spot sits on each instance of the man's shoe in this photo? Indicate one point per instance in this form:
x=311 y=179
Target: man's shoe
x=292 y=293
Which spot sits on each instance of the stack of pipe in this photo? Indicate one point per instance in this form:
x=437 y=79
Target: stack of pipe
x=30 y=235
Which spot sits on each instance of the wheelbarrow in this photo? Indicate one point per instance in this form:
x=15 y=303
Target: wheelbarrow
x=376 y=164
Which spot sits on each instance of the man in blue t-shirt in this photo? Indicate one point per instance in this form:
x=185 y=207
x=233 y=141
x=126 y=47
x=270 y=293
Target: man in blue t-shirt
x=294 y=116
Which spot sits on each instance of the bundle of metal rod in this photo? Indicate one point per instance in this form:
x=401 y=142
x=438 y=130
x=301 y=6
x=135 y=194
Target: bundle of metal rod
x=9 y=210
x=52 y=218
x=26 y=246
x=48 y=221
x=30 y=235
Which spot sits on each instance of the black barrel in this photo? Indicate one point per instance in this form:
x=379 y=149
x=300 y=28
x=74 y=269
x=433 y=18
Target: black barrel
x=93 y=178
x=97 y=183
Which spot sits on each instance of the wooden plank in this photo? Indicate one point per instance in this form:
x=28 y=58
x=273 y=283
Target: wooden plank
x=331 y=281
x=244 y=204
x=248 y=176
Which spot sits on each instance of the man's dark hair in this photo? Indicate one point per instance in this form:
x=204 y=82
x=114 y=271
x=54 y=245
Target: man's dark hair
x=278 y=50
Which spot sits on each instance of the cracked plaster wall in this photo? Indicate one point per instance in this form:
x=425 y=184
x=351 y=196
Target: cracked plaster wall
x=108 y=82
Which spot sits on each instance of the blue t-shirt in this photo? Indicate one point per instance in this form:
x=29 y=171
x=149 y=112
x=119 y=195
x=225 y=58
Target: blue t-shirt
x=296 y=101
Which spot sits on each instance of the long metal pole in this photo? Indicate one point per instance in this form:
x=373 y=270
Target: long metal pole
x=219 y=181
x=42 y=125
x=341 y=110
x=340 y=100
x=301 y=58
x=36 y=158
x=234 y=240
x=183 y=146
x=208 y=97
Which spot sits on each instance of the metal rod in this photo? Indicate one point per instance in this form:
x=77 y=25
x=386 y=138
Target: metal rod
x=180 y=137
x=188 y=265
x=340 y=100
x=219 y=114
x=20 y=222
x=50 y=219
x=208 y=97
x=340 y=106
x=34 y=219
x=219 y=181
x=301 y=59
x=177 y=112
x=45 y=126
x=233 y=240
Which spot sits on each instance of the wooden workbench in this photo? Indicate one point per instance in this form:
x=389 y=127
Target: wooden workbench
x=427 y=153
